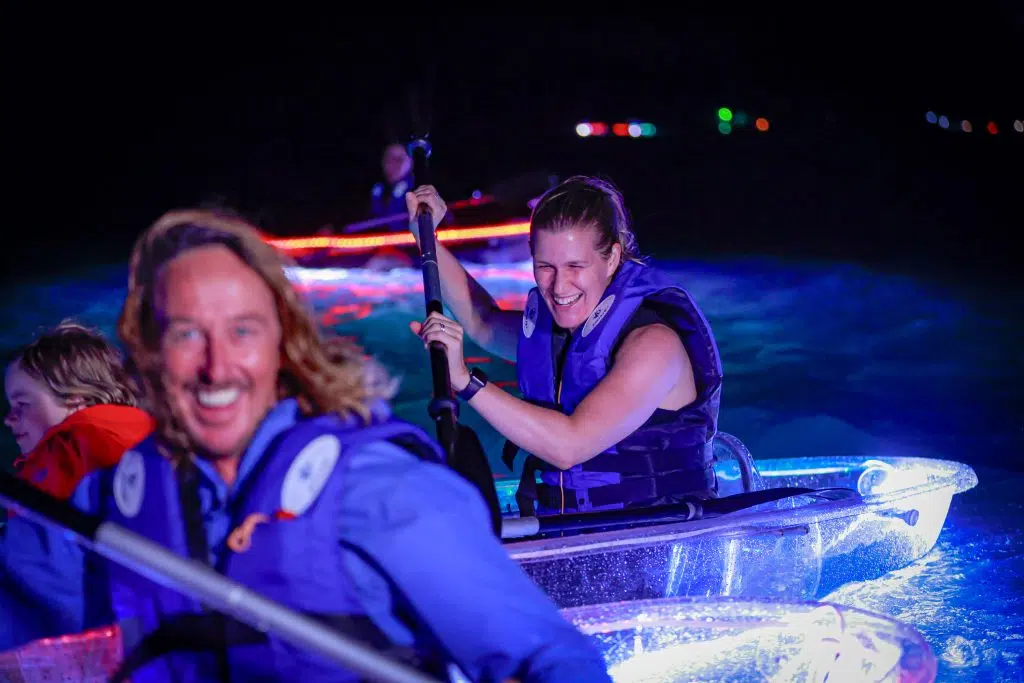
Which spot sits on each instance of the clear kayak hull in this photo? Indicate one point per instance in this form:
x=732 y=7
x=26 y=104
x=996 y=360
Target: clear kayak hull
x=744 y=640
x=875 y=515
x=675 y=639
x=88 y=657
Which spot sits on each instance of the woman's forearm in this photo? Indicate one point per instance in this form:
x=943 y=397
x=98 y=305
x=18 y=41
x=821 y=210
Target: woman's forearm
x=548 y=434
x=474 y=308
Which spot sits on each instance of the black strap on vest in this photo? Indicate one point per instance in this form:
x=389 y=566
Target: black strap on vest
x=191 y=511
x=649 y=484
x=527 y=491
x=631 y=490
x=198 y=549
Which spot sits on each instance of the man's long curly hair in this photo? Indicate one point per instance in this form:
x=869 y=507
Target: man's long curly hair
x=323 y=375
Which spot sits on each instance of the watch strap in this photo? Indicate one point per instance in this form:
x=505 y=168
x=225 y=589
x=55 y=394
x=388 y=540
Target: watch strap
x=477 y=380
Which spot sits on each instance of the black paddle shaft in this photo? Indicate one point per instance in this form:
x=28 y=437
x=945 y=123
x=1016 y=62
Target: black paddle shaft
x=461 y=445
x=443 y=406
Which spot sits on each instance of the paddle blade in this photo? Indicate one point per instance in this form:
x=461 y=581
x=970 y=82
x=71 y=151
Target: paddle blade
x=470 y=461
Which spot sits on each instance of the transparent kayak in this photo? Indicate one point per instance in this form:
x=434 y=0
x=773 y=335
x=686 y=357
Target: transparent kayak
x=673 y=639
x=724 y=639
x=89 y=657
x=866 y=517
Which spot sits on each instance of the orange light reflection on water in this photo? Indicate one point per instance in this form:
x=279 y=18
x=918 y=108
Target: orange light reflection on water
x=346 y=295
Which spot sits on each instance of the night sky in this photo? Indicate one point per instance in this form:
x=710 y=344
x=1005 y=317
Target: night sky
x=113 y=119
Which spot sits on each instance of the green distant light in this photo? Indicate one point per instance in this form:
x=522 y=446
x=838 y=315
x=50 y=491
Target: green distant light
x=647 y=130
x=724 y=128
x=725 y=114
x=740 y=119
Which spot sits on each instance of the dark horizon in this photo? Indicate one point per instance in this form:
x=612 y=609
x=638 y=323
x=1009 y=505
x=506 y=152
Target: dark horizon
x=113 y=128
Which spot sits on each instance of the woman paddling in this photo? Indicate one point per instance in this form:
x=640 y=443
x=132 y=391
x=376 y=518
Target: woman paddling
x=618 y=369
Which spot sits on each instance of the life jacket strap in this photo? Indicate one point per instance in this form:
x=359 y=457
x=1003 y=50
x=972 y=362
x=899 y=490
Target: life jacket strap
x=638 y=490
x=645 y=477
x=650 y=463
x=526 y=493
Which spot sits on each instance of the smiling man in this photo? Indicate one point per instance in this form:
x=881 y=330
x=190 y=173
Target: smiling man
x=276 y=462
x=219 y=341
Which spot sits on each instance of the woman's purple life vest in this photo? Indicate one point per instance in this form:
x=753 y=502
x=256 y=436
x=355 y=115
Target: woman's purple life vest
x=670 y=455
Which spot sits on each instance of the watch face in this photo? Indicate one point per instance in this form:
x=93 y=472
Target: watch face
x=479 y=374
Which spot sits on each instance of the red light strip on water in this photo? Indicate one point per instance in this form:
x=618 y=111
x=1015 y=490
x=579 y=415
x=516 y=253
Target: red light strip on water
x=389 y=239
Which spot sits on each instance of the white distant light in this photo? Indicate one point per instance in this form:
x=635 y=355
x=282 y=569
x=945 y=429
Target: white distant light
x=635 y=130
x=1018 y=126
x=584 y=129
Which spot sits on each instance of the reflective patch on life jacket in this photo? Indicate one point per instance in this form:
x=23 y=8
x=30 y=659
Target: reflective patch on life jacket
x=130 y=484
x=308 y=473
x=600 y=311
x=530 y=315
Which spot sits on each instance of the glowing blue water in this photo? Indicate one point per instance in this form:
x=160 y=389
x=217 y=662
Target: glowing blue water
x=819 y=359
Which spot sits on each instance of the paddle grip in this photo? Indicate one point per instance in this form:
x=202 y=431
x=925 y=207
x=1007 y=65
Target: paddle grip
x=419 y=149
x=428 y=261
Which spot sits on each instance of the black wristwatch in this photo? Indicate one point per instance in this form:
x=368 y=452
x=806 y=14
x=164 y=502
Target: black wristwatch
x=477 y=380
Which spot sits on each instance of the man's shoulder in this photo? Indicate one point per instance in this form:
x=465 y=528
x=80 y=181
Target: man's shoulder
x=382 y=429
x=395 y=481
x=151 y=446
x=144 y=455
